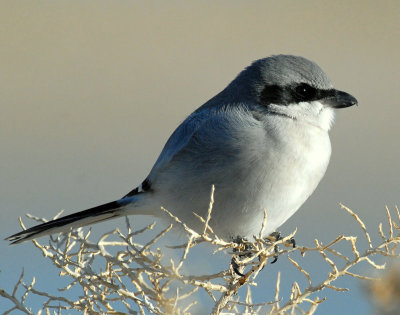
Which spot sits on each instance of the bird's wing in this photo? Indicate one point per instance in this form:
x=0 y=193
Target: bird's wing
x=176 y=142
x=207 y=136
x=180 y=139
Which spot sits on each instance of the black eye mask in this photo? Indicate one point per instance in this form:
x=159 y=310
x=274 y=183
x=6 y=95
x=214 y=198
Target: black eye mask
x=292 y=94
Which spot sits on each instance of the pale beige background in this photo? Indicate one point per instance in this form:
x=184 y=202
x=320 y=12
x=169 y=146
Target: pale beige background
x=91 y=90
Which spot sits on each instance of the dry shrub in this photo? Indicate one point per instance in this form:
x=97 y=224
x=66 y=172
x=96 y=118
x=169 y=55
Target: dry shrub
x=137 y=279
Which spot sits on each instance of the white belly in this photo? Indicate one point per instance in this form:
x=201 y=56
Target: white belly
x=279 y=180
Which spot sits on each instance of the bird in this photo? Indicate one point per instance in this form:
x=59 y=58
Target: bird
x=262 y=143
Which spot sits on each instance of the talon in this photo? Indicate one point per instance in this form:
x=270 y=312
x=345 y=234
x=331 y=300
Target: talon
x=274 y=237
x=244 y=248
x=292 y=242
x=276 y=250
x=235 y=267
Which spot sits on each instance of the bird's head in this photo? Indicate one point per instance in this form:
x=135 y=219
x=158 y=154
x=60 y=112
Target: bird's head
x=294 y=87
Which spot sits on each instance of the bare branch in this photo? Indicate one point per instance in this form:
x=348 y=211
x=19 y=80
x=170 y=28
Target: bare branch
x=117 y=271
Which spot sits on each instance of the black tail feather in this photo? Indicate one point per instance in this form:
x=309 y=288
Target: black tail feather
x=97 y=214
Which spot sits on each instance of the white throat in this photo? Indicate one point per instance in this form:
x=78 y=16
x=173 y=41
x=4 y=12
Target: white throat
x=313 y=113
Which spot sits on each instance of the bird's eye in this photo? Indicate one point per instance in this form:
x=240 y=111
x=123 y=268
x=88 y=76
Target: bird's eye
x=305 y=92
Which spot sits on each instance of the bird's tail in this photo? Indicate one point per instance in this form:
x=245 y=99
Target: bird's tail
x=78 y=219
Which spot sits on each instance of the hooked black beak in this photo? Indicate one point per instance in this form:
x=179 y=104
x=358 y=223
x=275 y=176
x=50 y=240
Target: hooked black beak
x=339 y=99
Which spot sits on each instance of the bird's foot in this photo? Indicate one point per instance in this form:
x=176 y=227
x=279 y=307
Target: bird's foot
x=276 y=236
x=244 y=250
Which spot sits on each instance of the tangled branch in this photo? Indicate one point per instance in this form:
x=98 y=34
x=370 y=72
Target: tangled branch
x=118 y=275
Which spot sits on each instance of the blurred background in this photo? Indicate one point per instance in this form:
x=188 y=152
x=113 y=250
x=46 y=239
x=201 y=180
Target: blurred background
x=91 y=90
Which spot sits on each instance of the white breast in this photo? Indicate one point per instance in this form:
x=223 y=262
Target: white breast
x=282 y=173
x=301 y=166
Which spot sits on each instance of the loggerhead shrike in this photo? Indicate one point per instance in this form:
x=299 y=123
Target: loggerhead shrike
x=263 y=142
